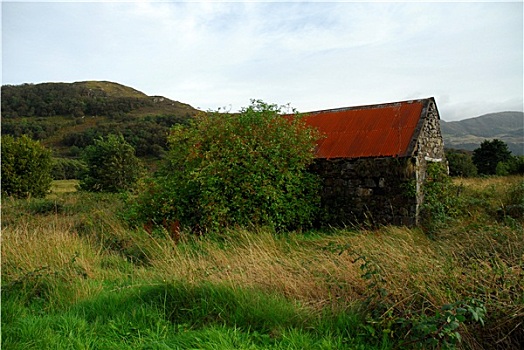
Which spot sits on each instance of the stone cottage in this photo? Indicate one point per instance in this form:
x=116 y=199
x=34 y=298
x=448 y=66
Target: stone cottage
x=373 y=160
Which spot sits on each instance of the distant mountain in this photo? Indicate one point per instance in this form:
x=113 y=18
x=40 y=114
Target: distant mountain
x=469 y=133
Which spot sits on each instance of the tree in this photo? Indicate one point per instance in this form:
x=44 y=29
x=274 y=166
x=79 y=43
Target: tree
x=513 y=166
x=460 y=164
x=239 y=169
x=66 y=168
x=489 y=154
x=26 y=167
x=112 y=165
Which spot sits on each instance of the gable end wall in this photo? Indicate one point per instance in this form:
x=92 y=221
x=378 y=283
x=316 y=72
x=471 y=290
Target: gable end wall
x=429 y=149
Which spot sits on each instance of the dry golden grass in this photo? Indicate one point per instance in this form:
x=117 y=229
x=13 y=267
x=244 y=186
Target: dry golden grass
x=493 y=183
x=305 y=271
x=64 y=186
x=477 y=257
x=53 y=247
x=320 y=271
x=316 y=269
x=51 y=260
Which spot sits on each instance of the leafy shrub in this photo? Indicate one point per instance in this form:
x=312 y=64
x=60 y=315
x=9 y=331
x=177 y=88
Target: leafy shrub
x=441 y=330
x=236 y=169
x=112 y=166
x=512 y=166
x=26 y=167
x=442 y=201
x=460 y=164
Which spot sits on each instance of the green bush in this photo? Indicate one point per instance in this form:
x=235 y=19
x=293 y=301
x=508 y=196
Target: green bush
x=441 y=330
x=512 y=166
x=111 y=166
x=26 y=167
x=442 y=200
x=460 y=164
x=239 y=169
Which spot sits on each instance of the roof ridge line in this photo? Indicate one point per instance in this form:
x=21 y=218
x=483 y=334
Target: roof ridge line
x=372 y=106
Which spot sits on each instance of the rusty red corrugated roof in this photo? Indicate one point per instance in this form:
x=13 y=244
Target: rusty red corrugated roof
x=384 y=130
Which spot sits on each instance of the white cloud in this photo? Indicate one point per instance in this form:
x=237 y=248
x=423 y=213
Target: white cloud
x=314 y=55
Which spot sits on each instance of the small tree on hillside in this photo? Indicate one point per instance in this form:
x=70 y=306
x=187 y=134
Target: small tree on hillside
x=489 y=155
x=237 y=169
x=111 y=166
x=26 y=167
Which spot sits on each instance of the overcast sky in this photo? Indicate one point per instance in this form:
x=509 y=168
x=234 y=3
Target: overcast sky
x=313 y=55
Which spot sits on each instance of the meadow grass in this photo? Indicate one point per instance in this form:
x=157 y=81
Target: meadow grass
x=64 y=186
x=75 y=276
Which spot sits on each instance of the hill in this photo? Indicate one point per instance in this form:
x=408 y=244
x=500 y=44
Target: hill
x=87 y=98
x=69 y=116
x=469 y=133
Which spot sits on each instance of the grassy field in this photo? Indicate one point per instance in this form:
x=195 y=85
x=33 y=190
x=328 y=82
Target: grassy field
x=74 y=276
x=63 y=186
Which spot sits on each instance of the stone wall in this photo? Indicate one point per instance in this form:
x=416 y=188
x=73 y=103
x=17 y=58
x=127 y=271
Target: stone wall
x=368 y=190
x=429 y=148
x=382 y=190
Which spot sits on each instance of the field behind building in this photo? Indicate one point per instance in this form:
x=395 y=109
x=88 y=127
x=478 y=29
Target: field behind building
x=75 y=276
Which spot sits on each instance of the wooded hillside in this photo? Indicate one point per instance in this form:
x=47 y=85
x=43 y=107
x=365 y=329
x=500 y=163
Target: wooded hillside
x=69 y=116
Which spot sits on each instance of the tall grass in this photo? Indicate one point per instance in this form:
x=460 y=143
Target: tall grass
x=75 y=276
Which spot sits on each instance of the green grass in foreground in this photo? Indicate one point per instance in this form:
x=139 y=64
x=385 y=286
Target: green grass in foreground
x=177 y=316
x=74 y=276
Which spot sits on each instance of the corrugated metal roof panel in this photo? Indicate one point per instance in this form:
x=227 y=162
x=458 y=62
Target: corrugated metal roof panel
x=368 y=131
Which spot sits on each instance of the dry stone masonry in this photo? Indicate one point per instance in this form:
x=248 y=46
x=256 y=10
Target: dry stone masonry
x=378 y=189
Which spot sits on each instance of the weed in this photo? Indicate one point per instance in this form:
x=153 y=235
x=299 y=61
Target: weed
x=45 y=206
x=443 y=202
x=440 y=330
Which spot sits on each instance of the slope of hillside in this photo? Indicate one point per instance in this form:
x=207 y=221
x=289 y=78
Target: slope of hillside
x=69 y=116
x=469 y=133
x=86 y=98
x=109 y=88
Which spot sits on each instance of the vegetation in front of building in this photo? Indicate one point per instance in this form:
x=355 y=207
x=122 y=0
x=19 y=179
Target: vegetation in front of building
x=226 y=170
x=74 y=274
